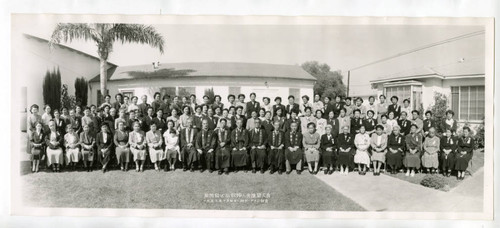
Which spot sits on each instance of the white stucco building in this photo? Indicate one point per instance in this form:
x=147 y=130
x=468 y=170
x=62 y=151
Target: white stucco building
x=225 y=78
x=454 y=67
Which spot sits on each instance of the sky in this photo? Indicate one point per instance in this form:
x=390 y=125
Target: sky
x=342 y=47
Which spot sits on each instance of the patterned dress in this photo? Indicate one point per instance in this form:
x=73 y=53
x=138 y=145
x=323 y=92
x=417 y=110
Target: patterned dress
x=362 y=142
x=155 y=141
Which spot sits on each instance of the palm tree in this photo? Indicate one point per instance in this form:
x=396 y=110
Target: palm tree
x=104 y=36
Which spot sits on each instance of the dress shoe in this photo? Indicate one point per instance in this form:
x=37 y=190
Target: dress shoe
x=210 y=171
x=262 y=171
x=280 y=172
x=254 y=171
x=325 y=172
x=227 y=172
x=299 y=172
x=288 y=172
x=220 y=172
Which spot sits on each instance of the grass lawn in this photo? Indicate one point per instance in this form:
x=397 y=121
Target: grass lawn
x=179 y=190
x=451 y=182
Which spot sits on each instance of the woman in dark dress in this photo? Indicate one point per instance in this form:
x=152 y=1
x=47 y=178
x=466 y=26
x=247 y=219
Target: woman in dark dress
x=356 y=122
x=104 y=141
x=346 y=150
x=122 y=150
x=87 y=142
x=429 y=123
x=396 y=145
x=449 y=145
x=37 y=145
x=239 y=143
x=414 y=148
x=328 y=150
x=223 y=151
x=276 y=148
x=449 y=122
x=464 y=153
x=370 y=123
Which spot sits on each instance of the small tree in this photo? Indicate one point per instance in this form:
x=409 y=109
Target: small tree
x=211 y=95
x=67 y=101
x=440 y=105
x=329 y=83
x=81 y=91
x=52 y=88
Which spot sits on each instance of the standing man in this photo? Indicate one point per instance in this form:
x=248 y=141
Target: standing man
x=258 y=141
x=223 y=151
x=252 y=105
x=293 y=151
x=157 y=103
x=327 y=107
x=143 y=107
x=292 y=107
x=211 y=119
x=276 y=153
x=190 y=156
x=348 y=107
x=205 y=145
x=394 y=107
x=239 y=143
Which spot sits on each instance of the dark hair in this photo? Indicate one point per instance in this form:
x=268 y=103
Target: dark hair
x=206 y=96
x=382 y=96
x=118 y=94
x=277 y=98
x=198 y=107
x=414 y=125
x=343 y=109
x=241 y=95
x=379 y=127
x=230 y=95
x=415 y=111
x=348 y=99
x=170 y=121
x=450 y=112
x=222 y=119
x=428 y=112
x=371 y=112
x=189 y=109
x=34 y=106
x=45 y=106
x=395 y=97
x=266 y=98
x=319 y=111
x=239 y=107
x=166 y=96
x=329 y=98
x=466 y=128
x=157 y=94
x=218 y=97
x=359 y=99
x=306 y=97
x=107 y=96
x=371 y=97
x=384 y=115
x=313 y=124
x=308 y=108
x=291 y=96
x=192 y=95
x=356 y=110
x=149 y=107
x=253 y=94
x=406 y=100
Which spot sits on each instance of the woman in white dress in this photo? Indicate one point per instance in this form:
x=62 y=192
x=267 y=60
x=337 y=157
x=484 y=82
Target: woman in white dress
x=133 y=106
x=71 y=142
x=362 y=158
x=155 y=141
x=46 y=117
x=172 y=149
x=137 y=141
x=266 y=104
x=320 y=123
x=391 y=121
x=317 y=104
x=54 y=142
x=175 y=119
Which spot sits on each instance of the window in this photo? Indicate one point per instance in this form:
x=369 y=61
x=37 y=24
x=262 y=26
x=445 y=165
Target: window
x=235 y=90
x=294 y=92
x=402 y=92
x=127 y=93
x=168 y=90
x=468 y=102
x=186 y=91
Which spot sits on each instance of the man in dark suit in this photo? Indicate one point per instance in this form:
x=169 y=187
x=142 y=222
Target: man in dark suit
x=205 y=145
x=394 y=107
x=292 y=106
x=252 y=105
x=189 y=154
x=147 y=119
x=278 y=104
x=257 y=142
x=338 y=105
x=328 y=107
x=119 y=101
x=143 y=107
x=211 y=119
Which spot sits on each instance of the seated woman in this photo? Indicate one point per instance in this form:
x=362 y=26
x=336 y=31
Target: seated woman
x=448 y=145
x=414 y=146
x=396 y=144
x=155 y=141
x=311 y=142
x=104 y=141
x=430 y=160
x=72 y=142
x=37 y=145
x=172 y=149
x=378 y=144
x=54 y=142
x=328 y=150
x=346 y=149
x=87 y=142
x=464 y=153
x=362 y=158
x=122 y=150
x=137 y=142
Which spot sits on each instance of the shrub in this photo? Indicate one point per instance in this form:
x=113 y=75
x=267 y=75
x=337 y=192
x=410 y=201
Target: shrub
x=81 y=90
x=434 y=181
x=67 y=101
x=52 y=89
x=210 y=93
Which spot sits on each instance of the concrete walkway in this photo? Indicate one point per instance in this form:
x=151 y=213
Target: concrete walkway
x=385 y=193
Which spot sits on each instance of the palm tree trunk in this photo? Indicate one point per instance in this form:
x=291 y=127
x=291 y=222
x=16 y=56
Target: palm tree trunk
x=104 y=77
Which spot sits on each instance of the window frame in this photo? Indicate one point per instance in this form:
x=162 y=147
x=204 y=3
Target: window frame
x=458 y=112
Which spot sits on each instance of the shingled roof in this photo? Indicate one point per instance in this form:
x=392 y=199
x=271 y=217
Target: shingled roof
x=208 y=69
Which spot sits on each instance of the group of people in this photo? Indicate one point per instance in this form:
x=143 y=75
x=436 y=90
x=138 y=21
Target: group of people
x=173 y=132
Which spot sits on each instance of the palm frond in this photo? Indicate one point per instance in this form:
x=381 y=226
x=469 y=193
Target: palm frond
x=136 y=33
x=68 y=32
